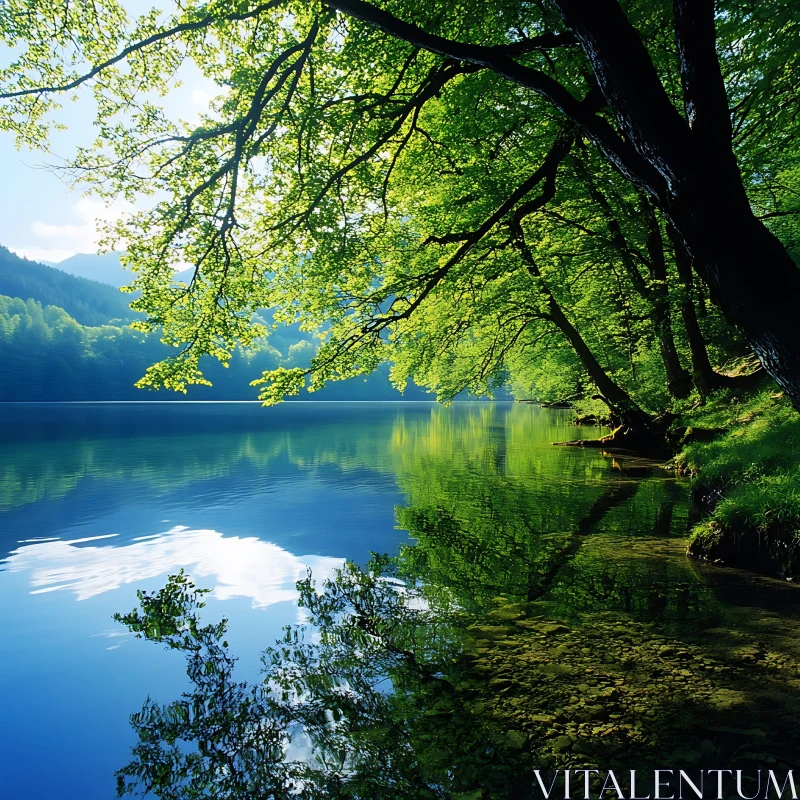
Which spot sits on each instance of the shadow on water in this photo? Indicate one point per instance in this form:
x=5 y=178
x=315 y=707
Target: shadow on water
x=545 y=618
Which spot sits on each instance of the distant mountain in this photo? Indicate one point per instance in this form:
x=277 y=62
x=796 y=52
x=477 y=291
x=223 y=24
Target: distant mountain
x=86 y=301
x=104 y=267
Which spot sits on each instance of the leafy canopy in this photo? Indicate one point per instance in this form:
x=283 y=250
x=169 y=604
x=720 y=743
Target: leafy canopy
x=377 y=191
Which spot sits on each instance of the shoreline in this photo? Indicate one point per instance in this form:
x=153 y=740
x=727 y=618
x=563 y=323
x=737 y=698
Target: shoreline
x=745 y=470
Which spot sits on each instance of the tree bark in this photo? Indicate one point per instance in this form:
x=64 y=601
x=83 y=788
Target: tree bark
x=758 y=287
x=620 y=403
x=679 y=381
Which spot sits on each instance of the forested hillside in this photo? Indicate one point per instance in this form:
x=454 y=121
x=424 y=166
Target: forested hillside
x=86 y=301
x=47 y=355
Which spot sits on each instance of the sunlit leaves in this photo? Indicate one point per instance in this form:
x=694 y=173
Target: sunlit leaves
x=339 y=171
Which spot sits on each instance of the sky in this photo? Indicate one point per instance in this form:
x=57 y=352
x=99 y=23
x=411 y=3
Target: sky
x=44 y=219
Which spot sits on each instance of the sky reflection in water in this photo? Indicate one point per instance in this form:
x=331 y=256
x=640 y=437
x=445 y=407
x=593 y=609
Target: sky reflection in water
x=99 y=501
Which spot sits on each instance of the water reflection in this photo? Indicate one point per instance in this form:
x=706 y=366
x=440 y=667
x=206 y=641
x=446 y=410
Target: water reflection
x=229 y=566
x=537 y=609
x=544 y=617
x=405 y=695
x=96 y=501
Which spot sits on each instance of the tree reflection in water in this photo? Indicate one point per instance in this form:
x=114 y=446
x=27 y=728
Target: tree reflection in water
x=524 y=629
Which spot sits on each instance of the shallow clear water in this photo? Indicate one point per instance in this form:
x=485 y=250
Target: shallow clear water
x=97 y=501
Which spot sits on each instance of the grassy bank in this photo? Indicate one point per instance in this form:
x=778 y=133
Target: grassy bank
x=744 y=453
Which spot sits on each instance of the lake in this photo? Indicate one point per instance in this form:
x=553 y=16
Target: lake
x=555 y=619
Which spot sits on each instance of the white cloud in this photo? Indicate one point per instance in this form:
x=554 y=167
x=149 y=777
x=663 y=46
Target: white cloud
x=231 y=566
x=57 y=242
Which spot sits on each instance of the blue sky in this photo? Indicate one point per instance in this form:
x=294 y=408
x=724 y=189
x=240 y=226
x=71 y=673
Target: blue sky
x=43 y=219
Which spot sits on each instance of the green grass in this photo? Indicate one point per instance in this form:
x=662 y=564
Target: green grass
x=753 y=466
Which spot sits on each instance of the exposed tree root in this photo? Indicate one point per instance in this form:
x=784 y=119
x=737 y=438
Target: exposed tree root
x=651 y=440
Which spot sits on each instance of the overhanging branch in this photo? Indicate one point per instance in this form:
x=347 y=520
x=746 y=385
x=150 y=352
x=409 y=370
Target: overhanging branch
x=372 y=329
x=500 y=60
x=143 y=44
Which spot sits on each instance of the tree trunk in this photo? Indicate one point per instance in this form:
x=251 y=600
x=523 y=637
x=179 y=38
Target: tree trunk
x=704 y=376
x=618 y=400
x=679 y=382
x=757 y=283
x=616 y=493
x=693 y=175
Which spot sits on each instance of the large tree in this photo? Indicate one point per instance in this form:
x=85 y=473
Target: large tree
x=392 y=171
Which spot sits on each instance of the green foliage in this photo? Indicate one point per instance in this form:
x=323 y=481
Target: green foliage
x=384 y=204
x=168 y=616
x=326 y=691
x=752 y=468
x=473 y=229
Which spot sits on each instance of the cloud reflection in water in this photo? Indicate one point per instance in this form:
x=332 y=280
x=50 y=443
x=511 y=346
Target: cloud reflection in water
x=241 y=567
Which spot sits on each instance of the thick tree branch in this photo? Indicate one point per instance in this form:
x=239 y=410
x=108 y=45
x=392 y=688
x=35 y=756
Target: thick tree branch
x=679 y=382
x=373 y=328
x=497 y=59
x=629 y=81
x=548 y=171
x=616 y=397
x=545 y=173
x=772 y=214
x=544 y=41
x=704 y=96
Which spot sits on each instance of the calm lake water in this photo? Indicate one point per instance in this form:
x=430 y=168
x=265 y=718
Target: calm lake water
x=584 y=635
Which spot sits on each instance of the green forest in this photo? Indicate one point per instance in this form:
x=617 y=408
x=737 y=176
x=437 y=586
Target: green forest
x=89 y=303
x=47 y=355
x=67 y=338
